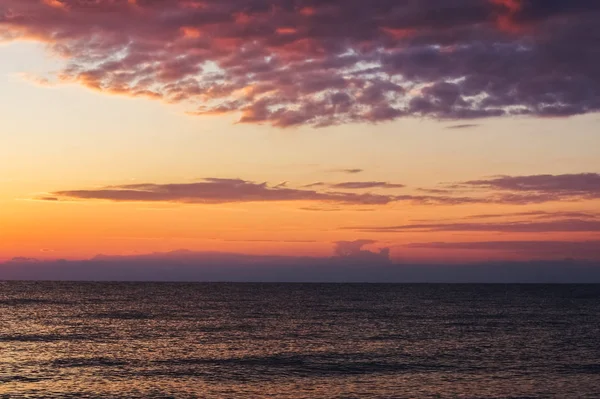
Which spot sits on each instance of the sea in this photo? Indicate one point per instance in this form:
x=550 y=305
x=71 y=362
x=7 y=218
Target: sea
x=220 y=340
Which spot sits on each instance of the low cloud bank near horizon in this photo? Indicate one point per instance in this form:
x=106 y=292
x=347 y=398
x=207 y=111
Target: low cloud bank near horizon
x=319 y=63
x=350 y=265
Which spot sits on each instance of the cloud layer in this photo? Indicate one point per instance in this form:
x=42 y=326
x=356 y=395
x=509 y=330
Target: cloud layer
x=544 y=249
x=563 y=225
x=216 y=191
x=536 y=188
x=506 y=190
x=308 y=62
x=567 y=185
x=509 y=222
x=219 y=191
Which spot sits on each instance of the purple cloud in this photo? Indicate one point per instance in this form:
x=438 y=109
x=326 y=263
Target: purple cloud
x=216 y=191
x=354 y=250
x=582 y=184
x=502 y=190
x=289 y=63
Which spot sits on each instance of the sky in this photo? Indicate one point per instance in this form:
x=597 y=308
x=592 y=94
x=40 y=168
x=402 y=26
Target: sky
x=412 y=131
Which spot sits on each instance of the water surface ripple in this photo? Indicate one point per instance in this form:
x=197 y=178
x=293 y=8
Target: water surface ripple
x=145 y=340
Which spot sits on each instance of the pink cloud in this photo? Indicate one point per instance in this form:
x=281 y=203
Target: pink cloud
x=290 y=63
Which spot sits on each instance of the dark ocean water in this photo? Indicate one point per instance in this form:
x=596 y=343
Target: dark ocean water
x=126 y=340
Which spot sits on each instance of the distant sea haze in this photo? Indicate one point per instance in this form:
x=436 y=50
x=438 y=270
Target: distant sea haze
x=365 y=266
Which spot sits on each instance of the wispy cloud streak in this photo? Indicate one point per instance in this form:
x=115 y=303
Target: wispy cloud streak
x=584 y=184
x=566 y=225
x=504 y=190
x=216 y=191
x=357 y=185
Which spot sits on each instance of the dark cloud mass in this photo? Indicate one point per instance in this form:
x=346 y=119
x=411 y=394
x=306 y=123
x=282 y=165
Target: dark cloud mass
x=309 y=62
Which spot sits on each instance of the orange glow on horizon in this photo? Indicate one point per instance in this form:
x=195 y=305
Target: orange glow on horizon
x=82 y=229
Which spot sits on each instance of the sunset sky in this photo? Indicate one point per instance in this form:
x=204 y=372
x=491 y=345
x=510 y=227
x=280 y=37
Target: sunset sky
x=455 y=131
